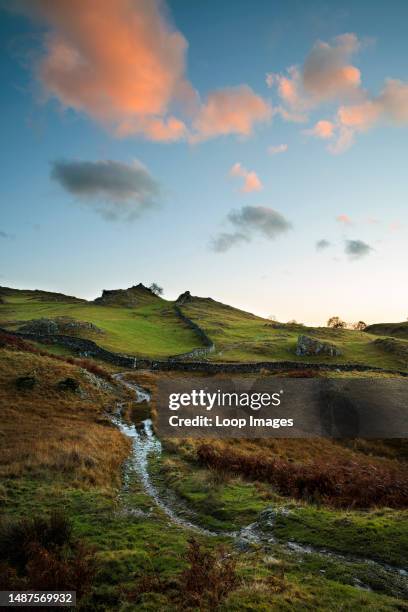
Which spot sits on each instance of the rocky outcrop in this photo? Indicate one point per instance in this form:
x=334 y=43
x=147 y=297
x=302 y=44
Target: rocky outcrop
x=128 y=298
x=59 y=325
x=39 y=326
x=183 y=298
x=393 y=346
x=310 y=347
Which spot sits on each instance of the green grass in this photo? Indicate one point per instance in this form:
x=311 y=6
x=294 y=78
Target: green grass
x=397 y=330
x=129 y=547
x=144 y=542
x=234 y=503
x=152 y=329
x=240 y=336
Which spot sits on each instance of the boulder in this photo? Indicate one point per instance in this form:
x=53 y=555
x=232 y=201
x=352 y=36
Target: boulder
x=310 y=347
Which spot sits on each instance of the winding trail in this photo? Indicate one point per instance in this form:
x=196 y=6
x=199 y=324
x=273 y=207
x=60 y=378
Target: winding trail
x=145 y=443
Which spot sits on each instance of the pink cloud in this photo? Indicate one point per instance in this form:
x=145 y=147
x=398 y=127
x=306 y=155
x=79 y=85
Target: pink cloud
x=119 y=62
x=395 y=226
x=233 y=110
x=251 y=179
x=345 y=219
x=391 y=105
x=123 y=64
x=322 y=129
x=326 y=75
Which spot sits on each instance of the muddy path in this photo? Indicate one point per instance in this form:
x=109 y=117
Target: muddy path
x=146 y=445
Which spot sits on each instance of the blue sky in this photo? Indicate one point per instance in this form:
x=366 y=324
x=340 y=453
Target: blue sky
x=54 y=237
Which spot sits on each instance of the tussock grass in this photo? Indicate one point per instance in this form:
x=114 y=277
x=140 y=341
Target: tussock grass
x=48 y=432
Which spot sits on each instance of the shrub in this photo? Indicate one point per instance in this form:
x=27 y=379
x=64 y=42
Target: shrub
x=209 y=577
x=203 y=585
x=340 y=484
x=25 y=383
x=41 y=554
x=17 y=537
x=68 y=384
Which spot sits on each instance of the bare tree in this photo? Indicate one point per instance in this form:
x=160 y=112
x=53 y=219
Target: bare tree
x=359 y=326
x=336 y=323
x=156 y=289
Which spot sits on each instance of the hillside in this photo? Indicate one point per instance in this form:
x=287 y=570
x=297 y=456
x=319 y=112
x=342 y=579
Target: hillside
x=138 y=323
x=75 y=509
x=240 y=336
x=397 y=330
x=133 y=321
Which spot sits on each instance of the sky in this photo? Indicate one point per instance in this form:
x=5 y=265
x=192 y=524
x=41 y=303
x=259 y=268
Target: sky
x=254 y=152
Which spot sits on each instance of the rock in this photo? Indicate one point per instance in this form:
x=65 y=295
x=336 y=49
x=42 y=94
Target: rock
x=26 y=382
x=183 y=298
x=39 y=326
x=266 y=519
x=59 y=325
x=129 y=298
x=307 y=346
x=68 y=384
x=69 y=326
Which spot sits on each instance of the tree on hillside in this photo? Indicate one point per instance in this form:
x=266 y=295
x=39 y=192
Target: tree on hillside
x=336 y=323
x=359 y=326
x=156 y=289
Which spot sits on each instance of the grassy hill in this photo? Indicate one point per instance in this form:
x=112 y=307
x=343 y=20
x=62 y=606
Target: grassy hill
x=240 y=336
x=397 y=330
x=136 y=322
x=147 y=327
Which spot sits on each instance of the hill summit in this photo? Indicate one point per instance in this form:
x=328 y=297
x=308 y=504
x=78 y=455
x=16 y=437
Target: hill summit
x=131 y=297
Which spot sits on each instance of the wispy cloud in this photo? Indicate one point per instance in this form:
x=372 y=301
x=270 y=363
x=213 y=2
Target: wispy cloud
x=114 y=189
x=356 y=249
x=224 y=241
x=249 y=221
x=322 y=244
x=276 y=149
x=5 y=235
x=251 y=179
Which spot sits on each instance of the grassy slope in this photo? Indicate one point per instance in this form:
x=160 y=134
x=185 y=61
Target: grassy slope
x=397 y=330
x=59 y=452
x=240 y=336
x=151 y=329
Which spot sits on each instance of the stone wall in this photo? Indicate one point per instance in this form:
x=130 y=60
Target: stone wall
x=88 y=348
x=84 y=348
x=209 y=346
